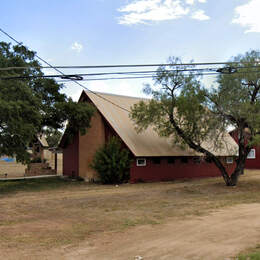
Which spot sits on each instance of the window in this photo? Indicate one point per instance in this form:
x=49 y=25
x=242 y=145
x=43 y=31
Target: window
x=156 y=160
x=196 y=159
x=251 y=154
x=141 y=162
x=184 y=159
x=229 y=160
x=208 y=160
x=171 y=160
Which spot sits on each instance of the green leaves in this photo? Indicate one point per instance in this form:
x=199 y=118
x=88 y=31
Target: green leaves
x=29 y=106
x=112 y=162
x=181 y=96
x=190 y=114
x=239 y=95
x=78 y=116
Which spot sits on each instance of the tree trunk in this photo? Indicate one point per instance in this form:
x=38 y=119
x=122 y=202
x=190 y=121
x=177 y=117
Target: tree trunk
x=235 y=176
x=228 y=180
x=239 y=169
x=200 y=149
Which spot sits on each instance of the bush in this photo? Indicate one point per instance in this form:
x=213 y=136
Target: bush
x=112 y=163
x=36 y=160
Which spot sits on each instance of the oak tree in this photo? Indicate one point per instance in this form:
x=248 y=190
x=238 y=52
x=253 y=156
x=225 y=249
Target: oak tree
x=30 y=103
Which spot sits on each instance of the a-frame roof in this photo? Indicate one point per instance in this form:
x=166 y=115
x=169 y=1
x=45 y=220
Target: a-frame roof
x=147 y=143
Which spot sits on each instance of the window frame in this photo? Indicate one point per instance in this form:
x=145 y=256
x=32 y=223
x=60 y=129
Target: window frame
x=254 y=154
x=229 y=160
x=142 y=164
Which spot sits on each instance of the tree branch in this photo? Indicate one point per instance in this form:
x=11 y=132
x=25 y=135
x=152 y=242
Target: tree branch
x=200 y=149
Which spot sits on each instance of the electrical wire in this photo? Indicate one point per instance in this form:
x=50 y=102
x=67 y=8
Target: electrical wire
x=50 y=66
x=141 y=77
x=141 y=74
x=107 y=73
x=153 y=76
x=124 y=65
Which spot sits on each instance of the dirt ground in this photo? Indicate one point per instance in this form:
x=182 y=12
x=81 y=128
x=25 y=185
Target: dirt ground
x=199 y=219
x=220 y=235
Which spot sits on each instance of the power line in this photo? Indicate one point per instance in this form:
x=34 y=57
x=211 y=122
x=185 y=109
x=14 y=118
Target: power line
x=141 y=77
x=112 y=78
x=79 y=75
x=123 y=65
x=50 y=66
x=146 y=77
x=69 y=77
x=141 y=74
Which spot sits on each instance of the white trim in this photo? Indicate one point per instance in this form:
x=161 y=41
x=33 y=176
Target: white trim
x=251 y=154
x=229 y=160
x=140 y=164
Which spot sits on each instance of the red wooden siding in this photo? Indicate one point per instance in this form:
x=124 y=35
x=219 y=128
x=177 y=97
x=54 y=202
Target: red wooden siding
x=250 y=163
x=71 y=158
x=151 y=172
x=178 y=170
x=254 y=163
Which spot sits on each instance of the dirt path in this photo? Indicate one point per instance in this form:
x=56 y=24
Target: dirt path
x=220 y=235
x=217 y=236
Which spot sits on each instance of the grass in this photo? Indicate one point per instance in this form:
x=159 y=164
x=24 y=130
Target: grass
x=45 y=213
x=39 y=184
x=252 y=254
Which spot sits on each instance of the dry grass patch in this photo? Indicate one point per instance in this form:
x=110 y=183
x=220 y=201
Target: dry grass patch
x=58 y=212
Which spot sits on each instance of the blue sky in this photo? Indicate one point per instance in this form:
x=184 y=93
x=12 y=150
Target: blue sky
x=96 y=32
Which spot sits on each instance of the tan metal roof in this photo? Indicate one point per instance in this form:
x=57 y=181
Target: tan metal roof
x=147 y=143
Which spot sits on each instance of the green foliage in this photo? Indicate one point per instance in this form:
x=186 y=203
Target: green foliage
x=35 y=185
x=79 y=118
x=112 y=162
x=181 y=96
x=251 y=256
x=191 y=114
x=53 y=137
x=237 y=98
x=36 y=160
x=29 y=105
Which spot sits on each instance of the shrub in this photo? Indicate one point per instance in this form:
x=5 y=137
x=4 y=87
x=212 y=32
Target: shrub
x=112 y=162
x=36 y=160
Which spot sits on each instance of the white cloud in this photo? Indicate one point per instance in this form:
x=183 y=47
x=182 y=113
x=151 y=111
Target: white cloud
x=144 y=11
x=200 y=15
x=190 y=2
x=247 y=16
x=77 y=47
